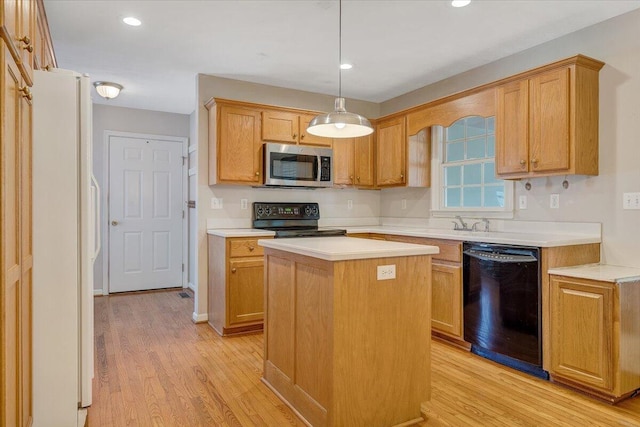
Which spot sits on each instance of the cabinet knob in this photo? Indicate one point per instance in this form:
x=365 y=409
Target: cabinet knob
x=358 y=178
x=251 y=248
x=114 y=223
x=402 y=176
x=26 y=92
x=302 y=136
x=47 y=68
x=233 y=270
x=351 y=178
x=534 y=162
x=27 y=43
x=257 y=173
x=522 y=163
x=295 y=135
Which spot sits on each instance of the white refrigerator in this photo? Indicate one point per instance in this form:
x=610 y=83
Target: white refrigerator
x=66 y=242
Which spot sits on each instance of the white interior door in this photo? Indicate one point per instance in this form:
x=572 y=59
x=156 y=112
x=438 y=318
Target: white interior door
x=145 y=214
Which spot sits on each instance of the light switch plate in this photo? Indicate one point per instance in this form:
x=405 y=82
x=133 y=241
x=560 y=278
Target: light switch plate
x=554 y=201
x=349 y=204
x=404 y=203
x=216 y=203
x=522 y=202
x=243 y=204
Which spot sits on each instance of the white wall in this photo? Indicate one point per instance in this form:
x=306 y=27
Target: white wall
x=588 y=199
x=108 y=118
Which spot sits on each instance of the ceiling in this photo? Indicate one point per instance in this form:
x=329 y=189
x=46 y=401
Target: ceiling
x=395 y=46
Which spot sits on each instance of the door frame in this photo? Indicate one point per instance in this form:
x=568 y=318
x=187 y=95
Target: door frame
x=108 y=134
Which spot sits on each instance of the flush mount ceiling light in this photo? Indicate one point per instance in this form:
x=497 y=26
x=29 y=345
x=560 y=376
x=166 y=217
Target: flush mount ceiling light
x=460 y=3
x=130 y=20
x=340 y=123
x=108 y=90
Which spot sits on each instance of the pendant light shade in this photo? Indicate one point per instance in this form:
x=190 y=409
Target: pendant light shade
x=340 y=123
x=108 y=90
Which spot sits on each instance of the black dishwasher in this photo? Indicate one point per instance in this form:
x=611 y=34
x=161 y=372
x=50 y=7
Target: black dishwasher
x=502 y=304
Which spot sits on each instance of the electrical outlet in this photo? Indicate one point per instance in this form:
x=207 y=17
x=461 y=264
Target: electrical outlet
x=349 y=204
x=243 y=204
x=386 y=272
x=216 y=203
x=522 y=202
x=404 y=203
x=554 y=201
x=630 y=200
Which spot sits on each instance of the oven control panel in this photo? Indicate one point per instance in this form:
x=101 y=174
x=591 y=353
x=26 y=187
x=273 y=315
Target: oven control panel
x=284 y=211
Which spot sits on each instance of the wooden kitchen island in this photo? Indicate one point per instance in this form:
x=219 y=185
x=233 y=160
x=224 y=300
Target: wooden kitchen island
x=343 y=348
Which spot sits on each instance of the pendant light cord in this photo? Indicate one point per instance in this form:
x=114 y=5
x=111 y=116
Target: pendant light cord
x=340 y=49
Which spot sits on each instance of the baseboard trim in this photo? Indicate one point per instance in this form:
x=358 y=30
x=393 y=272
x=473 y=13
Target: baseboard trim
x=199 y=318
x=191 y=286
x=98 y=292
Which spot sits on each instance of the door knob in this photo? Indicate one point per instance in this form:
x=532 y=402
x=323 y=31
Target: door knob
x=114 y=222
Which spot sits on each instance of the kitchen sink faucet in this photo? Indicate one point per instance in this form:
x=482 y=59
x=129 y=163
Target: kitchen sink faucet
x=485 y=221
x=462 y=226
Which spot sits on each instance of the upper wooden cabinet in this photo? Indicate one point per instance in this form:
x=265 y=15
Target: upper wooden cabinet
x=44 y=58
x=391 y=145
x=290 y=127
x=17 y=28
x=235 y=155
x=353 y=161
x=547 y=122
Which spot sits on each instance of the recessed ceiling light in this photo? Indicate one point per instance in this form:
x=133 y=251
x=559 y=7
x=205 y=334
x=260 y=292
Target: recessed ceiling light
x=130 y=20
x=346 y=66
x=460 y=3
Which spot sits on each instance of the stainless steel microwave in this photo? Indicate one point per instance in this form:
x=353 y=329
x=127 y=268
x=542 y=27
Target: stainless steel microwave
x=288 y=165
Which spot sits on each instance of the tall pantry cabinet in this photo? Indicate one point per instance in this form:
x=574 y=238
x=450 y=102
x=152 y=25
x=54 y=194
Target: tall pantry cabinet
x=19 y=21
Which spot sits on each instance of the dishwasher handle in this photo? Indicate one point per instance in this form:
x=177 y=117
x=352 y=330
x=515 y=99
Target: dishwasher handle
x=499 y=257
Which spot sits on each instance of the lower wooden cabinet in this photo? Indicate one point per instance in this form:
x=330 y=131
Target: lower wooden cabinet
x=236 y=284
x=446 y=283
x=594 y=335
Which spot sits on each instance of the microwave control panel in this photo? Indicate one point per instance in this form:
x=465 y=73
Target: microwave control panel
x=325 y=168
x=285 y=211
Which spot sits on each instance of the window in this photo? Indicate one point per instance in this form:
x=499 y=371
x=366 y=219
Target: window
x=464 y=170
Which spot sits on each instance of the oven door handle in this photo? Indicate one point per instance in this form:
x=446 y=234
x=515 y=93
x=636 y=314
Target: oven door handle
x=501 y=258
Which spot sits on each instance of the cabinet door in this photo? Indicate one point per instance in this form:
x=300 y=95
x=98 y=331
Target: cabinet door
x=512 y=128
x=280 y=126
x=10 y=22
x=363 y=161
x=582 y=331
x=308 y=139
x=343 y=161
x=549 y=121
x=26 y=36
x=390 y=148
x=246 y=291
x=239 y=157
x=446 y=303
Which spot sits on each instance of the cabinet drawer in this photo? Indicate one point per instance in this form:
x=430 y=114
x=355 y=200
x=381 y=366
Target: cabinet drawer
x=450 y=250
x=244 y=247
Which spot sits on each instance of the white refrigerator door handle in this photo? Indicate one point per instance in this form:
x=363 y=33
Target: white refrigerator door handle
x=97 y=231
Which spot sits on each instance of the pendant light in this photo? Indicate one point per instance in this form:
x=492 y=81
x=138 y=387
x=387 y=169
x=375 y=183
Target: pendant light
x=340 y=123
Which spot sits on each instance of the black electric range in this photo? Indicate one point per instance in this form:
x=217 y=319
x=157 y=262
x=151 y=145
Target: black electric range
x=291 y=220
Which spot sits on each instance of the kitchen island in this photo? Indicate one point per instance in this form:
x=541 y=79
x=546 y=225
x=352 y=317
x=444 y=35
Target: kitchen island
x=347 y=329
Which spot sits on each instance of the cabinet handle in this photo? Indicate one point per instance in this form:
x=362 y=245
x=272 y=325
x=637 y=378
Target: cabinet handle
x=522 y=163
x=251 y=248
x=534 y=162
x=233 y=270
x=47 y=68
x=27 y=41
x=295 y=135
x=302 y=136
x=26 y=92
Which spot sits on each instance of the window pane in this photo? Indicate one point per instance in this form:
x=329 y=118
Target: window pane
x=490 y=173
x=472 y=197
x=491 y=124
x=491 y=146
x=452 y=197
x=493 y=196
x=455 y=151
x=452 y=175
x=475 y=148
x=472 y=174
x=455 y=131
x=475 y=126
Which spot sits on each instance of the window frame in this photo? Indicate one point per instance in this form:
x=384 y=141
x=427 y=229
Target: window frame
x=437 y=184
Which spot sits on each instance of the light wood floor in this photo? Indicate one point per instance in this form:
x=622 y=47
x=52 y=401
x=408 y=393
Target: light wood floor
x=154 y=367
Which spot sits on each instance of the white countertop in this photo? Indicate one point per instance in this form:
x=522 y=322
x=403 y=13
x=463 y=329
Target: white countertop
x=540 y=239
x=347 y=248
x=526 y=239
x=240 y=232
x=600 y=272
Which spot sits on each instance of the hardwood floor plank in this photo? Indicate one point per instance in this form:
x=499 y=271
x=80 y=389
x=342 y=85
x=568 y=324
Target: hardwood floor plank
x=154 y=367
